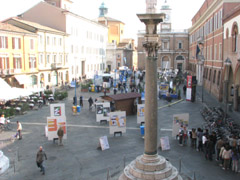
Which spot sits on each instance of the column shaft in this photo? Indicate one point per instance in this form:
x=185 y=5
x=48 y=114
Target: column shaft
x=150 y=138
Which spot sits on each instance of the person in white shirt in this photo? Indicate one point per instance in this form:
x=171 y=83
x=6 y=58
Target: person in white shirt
x=19 y=129
x=2 y=120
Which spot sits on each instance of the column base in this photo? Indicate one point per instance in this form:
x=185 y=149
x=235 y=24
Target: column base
x=150 y=167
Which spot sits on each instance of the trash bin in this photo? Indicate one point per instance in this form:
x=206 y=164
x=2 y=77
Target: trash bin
x=74 y=109
x=93 y=87
x=78 y=109
x=142 y=130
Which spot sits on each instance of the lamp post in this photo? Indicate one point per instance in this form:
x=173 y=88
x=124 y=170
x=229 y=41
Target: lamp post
x=75 y=96
x=227 y=64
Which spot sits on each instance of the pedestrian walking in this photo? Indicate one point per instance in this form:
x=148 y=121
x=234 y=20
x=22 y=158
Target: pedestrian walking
x=235 y=158
x=90 y=101
x=200 y=143
x=40 y=158
x=184 y=89
x=226 y=156
x=60 y=134
x=115 y=90
x=81 y=101
x=19 y=130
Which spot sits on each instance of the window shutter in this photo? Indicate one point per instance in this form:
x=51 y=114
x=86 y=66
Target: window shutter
x=7 y=62
x=1 y=41
x=29 y=63
x=19 y=43
x=35 y=63
x=6 y=39
x=20 y=63
x=13 y=42
x=14 y=63
x=0 y=63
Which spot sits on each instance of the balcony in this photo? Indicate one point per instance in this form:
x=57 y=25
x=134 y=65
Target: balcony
x=6 y=72
x=56 y=65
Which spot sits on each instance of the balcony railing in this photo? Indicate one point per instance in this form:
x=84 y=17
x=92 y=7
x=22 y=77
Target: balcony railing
x=5 y=72
x=56 y=65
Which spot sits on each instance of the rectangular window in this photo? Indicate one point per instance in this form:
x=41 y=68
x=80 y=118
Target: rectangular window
x=48 y=59
x=32 y=63
x=66 y=59
x=4 y=63
x=220 y=51
x=215 y=52
x=40 y=59
x=54 y=58
x=17 y=63
x=3 y=42
x=16 y=43
x=60 y=58
x=40 y=39
x=48 y=40
x=54 y=41
x=180 y=45
x=60 y=41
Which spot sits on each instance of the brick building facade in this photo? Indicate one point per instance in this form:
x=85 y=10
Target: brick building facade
x=173 y=51
x=206 y=59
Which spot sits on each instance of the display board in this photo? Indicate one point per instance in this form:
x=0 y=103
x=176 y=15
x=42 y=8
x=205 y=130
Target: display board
x=189 y=88
x=57 y=110
x=102 y=111
x=178 y=120
x=117 y=122
x=140 y=113
x=103 y=141
x=164 y=143
x=53 y=123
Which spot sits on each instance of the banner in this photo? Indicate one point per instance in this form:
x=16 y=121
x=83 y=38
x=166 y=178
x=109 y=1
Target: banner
x=102 y=111
x=53 y=124
x=103 y=141
x=178 y=121
x=57 y=110
x=117 y=122
x=140 y=113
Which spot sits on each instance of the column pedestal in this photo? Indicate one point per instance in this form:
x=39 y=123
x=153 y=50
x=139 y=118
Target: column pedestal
x=149 y=167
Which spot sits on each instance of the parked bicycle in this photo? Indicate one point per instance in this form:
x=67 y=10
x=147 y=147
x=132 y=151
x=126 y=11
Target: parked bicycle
x=7 y=126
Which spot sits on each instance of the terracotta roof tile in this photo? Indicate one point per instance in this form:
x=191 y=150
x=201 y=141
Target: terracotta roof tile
x=9 y=27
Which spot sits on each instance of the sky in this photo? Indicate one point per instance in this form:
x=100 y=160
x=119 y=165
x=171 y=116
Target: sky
x=123 y=10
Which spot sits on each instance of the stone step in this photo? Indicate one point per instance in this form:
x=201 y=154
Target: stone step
x=164 y=173
x=174 y=175
x=158 y=165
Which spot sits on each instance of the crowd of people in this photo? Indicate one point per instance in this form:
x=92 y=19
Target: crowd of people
x=226 y=151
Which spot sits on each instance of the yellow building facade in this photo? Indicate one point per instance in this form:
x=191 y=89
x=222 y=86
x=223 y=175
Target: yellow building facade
x=18 y=56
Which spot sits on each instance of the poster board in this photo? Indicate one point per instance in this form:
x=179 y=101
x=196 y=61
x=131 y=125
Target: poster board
x=102 y=111
x=103 y=142
x=117 y=122
x=57 y=110
x=189 y=88
x=53 y=123
x=140 y=113
x=164 y=143
x=178 y=120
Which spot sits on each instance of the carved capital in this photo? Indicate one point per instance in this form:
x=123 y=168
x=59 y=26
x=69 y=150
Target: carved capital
x=151 y=49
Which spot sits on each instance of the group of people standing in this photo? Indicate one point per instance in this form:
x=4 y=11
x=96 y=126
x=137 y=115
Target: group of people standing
x=226 y=151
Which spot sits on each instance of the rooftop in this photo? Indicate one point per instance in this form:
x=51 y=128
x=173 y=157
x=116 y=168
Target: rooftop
x=9 y=27
x=124 y=96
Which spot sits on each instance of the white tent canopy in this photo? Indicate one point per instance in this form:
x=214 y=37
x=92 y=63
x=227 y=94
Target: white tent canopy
x=4 y=84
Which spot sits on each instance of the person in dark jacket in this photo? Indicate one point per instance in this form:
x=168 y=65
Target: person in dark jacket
x=60 y=134
x=40 y=158
x=81 y=101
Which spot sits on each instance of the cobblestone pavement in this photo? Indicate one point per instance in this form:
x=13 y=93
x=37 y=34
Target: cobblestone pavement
x=79 y=158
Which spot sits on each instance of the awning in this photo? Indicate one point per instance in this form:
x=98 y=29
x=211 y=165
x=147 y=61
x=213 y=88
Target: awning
x=22 y=79
x=4 y=84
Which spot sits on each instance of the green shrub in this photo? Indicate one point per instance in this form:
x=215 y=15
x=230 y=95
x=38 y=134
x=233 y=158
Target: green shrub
x=60 y=95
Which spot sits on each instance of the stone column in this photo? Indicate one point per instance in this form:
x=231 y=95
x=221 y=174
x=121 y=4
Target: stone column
x=235 y=98
x=151 y=129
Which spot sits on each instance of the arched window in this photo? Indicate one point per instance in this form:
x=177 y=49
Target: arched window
x=179 y=58
x=210 y=74
x=234 y=37
x=219 y=77
x=214 y=76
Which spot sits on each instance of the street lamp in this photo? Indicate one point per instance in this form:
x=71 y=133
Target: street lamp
x=227 y=64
